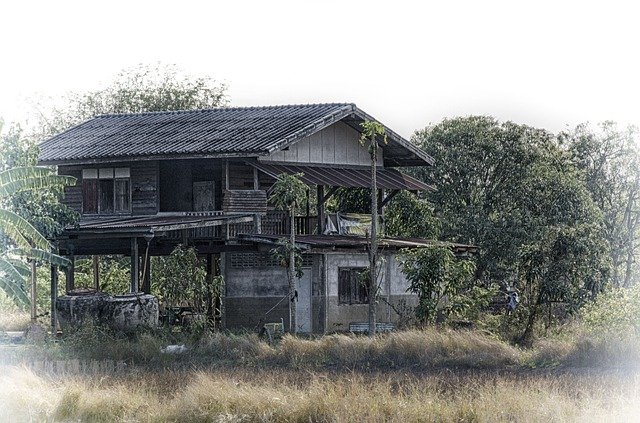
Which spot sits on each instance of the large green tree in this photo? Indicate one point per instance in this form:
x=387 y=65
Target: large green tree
x=511 y=190
x=609 y=158
x=142 y=88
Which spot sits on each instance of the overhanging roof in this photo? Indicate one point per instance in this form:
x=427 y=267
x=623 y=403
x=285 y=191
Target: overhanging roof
x=140 y=226
x=221 y=132
x=328 y=242
x=351 y=177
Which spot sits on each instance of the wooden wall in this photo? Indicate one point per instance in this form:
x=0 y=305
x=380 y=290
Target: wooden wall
x=144 y=186
x=336 y=144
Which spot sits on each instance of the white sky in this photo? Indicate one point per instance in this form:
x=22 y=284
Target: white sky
x=408 y=63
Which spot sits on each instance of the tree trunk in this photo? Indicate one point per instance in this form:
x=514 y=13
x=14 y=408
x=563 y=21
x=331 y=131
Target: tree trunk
x=527 y=337
x=373 y=250
x=291 y=273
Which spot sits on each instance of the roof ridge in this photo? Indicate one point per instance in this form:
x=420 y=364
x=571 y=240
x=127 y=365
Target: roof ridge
x=177 y=112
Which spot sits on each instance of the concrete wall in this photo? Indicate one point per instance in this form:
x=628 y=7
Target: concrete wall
x=393 y=289
x=254 y=285
x=336 y=144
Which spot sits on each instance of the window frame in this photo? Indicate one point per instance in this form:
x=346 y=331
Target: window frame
x=113 y=174
x=358 y=293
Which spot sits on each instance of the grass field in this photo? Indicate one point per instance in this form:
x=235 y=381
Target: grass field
x=292 y=395
x=411 y=376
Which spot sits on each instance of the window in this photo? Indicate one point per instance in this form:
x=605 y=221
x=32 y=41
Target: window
x=352 y=285
x=106 y=191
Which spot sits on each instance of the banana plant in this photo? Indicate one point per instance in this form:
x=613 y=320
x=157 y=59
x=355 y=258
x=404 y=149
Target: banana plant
x=22 y=242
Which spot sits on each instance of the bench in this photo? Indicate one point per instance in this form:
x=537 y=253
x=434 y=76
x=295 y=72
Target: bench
x=363 y=327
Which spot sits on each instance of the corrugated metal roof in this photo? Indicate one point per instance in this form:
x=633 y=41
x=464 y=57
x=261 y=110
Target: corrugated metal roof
x=222 y=132
x=346 y=176
x=356 y=242
x=157 y=223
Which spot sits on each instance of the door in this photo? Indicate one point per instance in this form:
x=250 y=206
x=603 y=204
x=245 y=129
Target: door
x=303 y=307
x=203 y=196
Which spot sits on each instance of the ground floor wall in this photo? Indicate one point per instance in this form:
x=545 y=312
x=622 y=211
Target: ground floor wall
x=394 y=303
x=256 y=292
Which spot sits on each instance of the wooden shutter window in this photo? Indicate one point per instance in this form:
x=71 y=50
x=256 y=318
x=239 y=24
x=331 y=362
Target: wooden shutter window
x=344 y=286
x=90 y=196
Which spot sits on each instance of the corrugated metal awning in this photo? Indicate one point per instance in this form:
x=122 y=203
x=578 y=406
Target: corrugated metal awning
x=158 y=223
x=345 y=176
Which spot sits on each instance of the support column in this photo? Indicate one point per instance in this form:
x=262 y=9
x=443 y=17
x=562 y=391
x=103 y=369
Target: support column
x=54 y=297
x=70 y=284
x=308 y=223
x=223 y=291
x=135 y=266
x=146 y=275
x=34 y=311
x=226 y=188
x=96 y=272
x=257 y=223
x=256 y=181
x=320 y=209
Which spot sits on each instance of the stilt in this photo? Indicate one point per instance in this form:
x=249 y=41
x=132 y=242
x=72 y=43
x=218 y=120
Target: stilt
x=54 y=297
x=135 y=266
x=34 y=313
x=320 y=209
x=70 y=283
x=96 y=272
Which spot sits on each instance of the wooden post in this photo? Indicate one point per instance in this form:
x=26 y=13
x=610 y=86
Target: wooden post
x=226 y=188
x=70 y=284
x=96 y=272
x=256 y=181
x=54 y=297
x=373 y=247
x=320 y=209
x=146 y=275
x=223 y=290
x=135 y=266
x=257 y=223
x=34 y=312
x=308 y=224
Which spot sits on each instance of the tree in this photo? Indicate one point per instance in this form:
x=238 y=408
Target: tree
x=410 y=216
x=143 y=88
x=22 y=241
x=437 y=277
x=609 y=159
x=371 y=131
x=286 y=194
x=511 y=190
x=40 y=207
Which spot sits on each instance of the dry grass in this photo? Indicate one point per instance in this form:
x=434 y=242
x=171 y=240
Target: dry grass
x=290 y=395
x=14 y=321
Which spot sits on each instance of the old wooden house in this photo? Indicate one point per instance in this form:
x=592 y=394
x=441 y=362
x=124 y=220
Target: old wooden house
x=150 y=181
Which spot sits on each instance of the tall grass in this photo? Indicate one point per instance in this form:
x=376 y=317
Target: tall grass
x=290 y=395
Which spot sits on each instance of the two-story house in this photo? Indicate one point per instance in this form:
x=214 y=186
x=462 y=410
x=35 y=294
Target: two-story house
x=150 y=181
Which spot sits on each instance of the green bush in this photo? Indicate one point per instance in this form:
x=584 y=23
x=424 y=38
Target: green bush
x=615 y=313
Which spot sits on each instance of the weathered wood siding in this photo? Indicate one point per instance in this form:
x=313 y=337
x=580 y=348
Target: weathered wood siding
x=73 y=195
x=336 y=144
x=144 y=186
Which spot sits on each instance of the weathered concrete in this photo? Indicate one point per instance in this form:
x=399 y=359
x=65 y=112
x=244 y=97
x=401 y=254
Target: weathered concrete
x=393 y=292
x=79 y=307
x=130 y=311
x=122 y=312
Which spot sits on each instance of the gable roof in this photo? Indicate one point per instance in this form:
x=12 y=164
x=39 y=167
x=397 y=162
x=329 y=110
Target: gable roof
x=221 y=132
